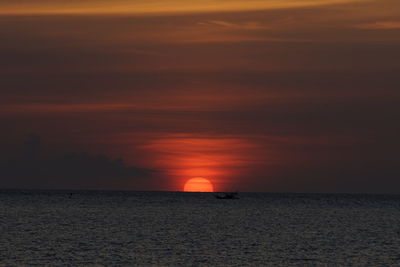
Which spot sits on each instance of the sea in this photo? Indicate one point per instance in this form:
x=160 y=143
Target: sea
x=112 y=228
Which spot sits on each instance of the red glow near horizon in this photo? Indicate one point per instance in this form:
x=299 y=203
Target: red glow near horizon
x=183 y=156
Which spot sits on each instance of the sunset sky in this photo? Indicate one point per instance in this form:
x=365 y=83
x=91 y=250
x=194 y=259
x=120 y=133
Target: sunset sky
x=255 y=95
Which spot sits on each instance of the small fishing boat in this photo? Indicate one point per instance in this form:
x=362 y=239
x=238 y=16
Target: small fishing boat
x=227 y=195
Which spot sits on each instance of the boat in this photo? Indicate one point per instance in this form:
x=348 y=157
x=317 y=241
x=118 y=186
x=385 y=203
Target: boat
x=227 y=195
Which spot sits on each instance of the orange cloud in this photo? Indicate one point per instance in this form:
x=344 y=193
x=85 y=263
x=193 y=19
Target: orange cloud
x=151 y=7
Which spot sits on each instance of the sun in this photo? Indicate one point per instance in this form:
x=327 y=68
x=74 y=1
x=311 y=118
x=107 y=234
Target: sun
x=198 y=184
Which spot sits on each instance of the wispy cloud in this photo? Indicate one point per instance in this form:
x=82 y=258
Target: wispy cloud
x=151 y=7
x=248 y=25
x=379 y=25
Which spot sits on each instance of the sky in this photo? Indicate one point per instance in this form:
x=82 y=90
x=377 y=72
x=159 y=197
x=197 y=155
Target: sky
x=257 y=95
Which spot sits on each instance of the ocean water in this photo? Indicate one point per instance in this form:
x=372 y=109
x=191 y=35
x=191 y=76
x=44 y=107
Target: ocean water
x=55 y=228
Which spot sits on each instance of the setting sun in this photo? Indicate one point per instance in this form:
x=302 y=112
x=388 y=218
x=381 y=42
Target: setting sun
x=198 y=184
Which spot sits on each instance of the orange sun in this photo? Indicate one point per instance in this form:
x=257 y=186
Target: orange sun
x=198 y=184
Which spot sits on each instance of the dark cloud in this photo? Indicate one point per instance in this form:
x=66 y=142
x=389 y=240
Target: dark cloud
x=30 y=168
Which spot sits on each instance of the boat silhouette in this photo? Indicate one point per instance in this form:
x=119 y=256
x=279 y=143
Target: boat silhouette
x=227 y=195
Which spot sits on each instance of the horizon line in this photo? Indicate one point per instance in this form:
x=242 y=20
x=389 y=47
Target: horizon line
x=179 y=191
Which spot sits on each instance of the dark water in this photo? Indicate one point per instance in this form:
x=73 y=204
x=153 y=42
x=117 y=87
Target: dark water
x=195 y=229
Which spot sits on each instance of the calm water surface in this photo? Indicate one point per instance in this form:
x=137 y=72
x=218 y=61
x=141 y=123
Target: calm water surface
x=194 y=229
